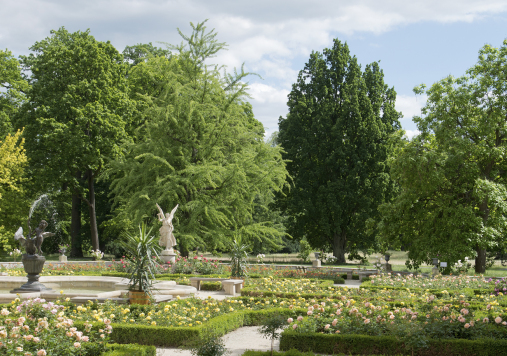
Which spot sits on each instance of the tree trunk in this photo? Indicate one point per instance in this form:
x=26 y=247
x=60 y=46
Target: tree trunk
x=75 y=227
x=480 y=260
x=339 y=243
x=91 y=206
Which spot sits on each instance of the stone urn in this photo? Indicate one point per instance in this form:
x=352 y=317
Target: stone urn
x=33 y=265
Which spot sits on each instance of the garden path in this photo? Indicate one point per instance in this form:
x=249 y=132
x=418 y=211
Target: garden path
x=242 y=339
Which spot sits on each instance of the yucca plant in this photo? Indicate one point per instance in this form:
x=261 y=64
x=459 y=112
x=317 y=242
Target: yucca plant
x=142 y=253
x=238 y=258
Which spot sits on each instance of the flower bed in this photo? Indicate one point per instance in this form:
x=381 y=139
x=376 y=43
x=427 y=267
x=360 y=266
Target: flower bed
x=439 y=282
x=36 y=327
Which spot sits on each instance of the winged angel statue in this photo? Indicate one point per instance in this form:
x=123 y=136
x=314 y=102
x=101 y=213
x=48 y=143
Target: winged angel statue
x=33 y=245
x=166 y=231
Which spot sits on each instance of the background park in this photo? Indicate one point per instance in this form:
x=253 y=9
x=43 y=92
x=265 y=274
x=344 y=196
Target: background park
x=346 y=233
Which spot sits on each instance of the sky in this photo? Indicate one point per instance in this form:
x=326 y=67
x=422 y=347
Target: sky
x=415 y=41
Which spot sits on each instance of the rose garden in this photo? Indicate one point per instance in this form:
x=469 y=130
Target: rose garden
x=337 y=235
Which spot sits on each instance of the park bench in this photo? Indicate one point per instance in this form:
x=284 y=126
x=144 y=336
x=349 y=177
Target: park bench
x=196 y=281
x=232 y=286
x=301 y=269
x=366 y=273
x=347 y=270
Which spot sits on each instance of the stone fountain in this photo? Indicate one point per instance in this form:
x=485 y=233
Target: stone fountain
x=33 y=261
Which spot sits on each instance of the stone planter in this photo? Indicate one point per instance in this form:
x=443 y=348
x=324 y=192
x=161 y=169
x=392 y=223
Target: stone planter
x=137 y=297
x=33 y=265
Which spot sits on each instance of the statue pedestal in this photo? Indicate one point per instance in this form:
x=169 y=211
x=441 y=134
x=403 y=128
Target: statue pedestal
x=316 y=263
x=435 y=271
x=33 y=265
x=63 y=258
x=168 y=256
x=388 y=267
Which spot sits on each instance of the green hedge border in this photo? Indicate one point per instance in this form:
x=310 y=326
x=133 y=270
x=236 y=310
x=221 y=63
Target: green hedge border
x=363 y=344
x=130 y=350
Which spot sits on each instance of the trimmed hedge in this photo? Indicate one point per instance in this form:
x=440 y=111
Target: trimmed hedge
x=363 y=344
x=470 y=292
x=130 y=350
x=178 y=336
x=291 y=352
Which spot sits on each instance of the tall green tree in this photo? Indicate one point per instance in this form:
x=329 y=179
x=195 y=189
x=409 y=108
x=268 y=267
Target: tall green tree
x=142 y=51
x=453 y=175
x=336 y=141
x=75 y=116
x=12 y=196
x=14 y=89
x=200 y=148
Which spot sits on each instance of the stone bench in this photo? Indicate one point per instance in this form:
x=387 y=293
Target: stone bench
x=232 y=286
x=196 y=281
x=366 y=273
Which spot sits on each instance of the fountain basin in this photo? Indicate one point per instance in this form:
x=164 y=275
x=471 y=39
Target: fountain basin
x=84 y=288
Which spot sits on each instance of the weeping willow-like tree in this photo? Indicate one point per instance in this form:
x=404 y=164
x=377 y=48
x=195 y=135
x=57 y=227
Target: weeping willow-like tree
x=200 y=147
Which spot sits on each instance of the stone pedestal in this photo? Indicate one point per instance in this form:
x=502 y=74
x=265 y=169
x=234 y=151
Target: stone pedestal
x=435 y=271
x=388 y=267
x=63 y=258
x=33 y=265
x=316 y=263
x=168 y=256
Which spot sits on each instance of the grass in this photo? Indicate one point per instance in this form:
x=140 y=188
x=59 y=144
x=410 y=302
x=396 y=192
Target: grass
x=397 y=261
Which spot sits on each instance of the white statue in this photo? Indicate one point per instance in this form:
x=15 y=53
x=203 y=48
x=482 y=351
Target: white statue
x=166 y=231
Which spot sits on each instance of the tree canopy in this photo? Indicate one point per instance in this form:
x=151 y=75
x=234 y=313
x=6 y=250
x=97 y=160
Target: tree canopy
x=12 y=165
x=452 y=176
x=14 y=89
x=336 y=141
x=199 y=147
x=76 y=114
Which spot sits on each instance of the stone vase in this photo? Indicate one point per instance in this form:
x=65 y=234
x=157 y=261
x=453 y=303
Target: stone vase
x=33 y=265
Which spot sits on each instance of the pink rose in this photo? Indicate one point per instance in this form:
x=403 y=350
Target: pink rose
x=300 y=318
x=290 y=320
x=498 y=320
x=294 y=326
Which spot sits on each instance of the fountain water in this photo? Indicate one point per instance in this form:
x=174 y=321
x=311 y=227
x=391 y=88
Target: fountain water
x=33 y=261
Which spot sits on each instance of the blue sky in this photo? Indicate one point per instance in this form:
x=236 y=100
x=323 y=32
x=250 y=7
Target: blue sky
x=415 y=41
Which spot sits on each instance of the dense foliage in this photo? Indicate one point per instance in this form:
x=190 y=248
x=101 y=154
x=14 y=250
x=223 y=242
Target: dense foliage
x=336 y=141
x=452 y=176
x=202 y=149
x=74 y=117
x=13 y=162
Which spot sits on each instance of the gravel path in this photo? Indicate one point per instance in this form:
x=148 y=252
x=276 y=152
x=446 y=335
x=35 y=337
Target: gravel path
x=236 y=342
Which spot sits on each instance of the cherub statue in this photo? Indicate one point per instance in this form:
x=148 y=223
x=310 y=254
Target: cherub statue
x=33 y=245
x=166 y=231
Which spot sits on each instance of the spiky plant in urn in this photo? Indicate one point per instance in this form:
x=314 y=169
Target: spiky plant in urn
x=33 y=261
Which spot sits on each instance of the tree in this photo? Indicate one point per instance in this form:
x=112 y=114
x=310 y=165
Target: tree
x=201 y=148
x=75 y=117
x=336 y=140
x=12 y=203
x=142 y=51
x=14 y=91
x=452 y=176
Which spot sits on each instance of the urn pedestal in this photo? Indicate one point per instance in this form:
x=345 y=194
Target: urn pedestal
x=33 y=265
x=168 y=256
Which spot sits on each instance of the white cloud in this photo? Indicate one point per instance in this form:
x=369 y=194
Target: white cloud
x=265 y=35
x=411 y=133
x=410 y=106
x=269 y=103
